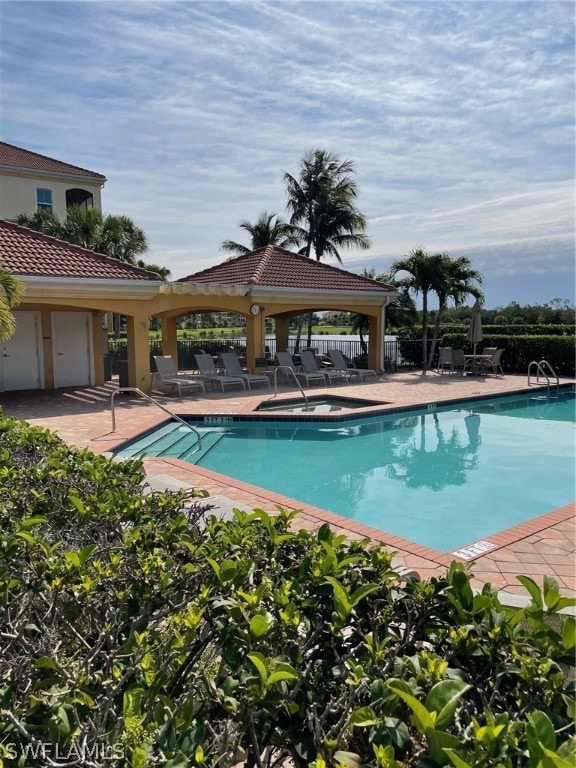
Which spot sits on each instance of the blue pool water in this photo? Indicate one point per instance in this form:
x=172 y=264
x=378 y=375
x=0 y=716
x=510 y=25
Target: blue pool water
x=442 y=477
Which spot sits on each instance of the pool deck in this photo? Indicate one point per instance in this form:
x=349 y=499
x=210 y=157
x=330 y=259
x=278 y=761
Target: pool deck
x=542 y=546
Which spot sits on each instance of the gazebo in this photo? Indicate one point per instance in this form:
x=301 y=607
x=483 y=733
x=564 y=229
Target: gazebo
x=272 y=282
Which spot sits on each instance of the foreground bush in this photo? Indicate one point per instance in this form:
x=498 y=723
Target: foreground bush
x=132 y=635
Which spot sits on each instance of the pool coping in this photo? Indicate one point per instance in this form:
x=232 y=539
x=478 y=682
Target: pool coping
x=468 y=553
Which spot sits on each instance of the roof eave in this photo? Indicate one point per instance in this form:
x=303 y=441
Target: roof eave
x=56 y=287
x=263 y=293
x=18 y=170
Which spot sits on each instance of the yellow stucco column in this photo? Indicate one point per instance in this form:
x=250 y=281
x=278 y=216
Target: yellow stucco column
x=255 y=338
x=170 y=338
x=98 y=346
x=282 y=333
x=376 y=341
x=139 y=353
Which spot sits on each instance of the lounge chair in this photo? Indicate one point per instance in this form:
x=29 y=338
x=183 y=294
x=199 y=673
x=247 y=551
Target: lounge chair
x=310 y=365
x=167 y=372
x=285 y=361
x=340 y=364
x=209 y=372
x=492 y=365
x=445 y=360
x=232 y=366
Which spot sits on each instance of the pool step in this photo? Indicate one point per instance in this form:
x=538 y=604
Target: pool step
x=174 y=440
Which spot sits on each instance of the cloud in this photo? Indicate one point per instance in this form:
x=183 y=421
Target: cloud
x=459 y=115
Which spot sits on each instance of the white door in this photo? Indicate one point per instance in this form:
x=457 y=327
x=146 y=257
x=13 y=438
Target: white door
x=72 y=349
x=21 y=361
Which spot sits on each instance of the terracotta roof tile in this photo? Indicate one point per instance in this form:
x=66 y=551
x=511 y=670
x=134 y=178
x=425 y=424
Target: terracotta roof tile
x=22 y=158
x=27 y=252
x=275 y=267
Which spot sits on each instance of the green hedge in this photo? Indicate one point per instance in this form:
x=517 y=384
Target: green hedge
x=137 y=632
x=520 y=351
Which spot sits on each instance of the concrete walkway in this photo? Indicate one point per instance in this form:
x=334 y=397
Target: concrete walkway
x=543 y=546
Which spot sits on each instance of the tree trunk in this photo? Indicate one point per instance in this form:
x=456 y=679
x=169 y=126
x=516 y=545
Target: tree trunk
x=435 y=335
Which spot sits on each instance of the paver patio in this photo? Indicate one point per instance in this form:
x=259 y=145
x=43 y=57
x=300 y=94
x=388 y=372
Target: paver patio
x=82 y=417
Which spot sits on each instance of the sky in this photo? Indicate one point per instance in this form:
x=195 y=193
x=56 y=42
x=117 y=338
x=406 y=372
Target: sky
x=458 y=117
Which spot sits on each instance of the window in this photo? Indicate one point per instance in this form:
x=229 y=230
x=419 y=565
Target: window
x=79 y=197
x=44 y=199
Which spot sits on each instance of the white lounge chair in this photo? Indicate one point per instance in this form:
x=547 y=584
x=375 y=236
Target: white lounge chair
x=209 y=372
x=167 y=372
x=285 y=361
x=233 y=367
x=310 y=365
x=340 y=364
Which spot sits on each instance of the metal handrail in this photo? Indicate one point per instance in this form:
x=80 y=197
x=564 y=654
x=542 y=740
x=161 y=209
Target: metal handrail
x=293 y=372
x=151 y=399
x=541 y=368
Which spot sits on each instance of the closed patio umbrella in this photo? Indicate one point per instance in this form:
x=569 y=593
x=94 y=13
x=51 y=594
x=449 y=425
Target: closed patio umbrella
x=475 y=334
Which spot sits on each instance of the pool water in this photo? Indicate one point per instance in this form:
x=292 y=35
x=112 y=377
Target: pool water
x=442 y=477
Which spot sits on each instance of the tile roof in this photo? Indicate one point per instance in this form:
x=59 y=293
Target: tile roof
x=17 y=157
x=26 y=252
x=275 y=267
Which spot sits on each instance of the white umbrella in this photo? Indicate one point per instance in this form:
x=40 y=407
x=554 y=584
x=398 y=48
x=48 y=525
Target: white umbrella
x=475 y=334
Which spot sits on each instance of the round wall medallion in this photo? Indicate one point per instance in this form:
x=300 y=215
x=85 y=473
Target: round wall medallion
x=255 y=309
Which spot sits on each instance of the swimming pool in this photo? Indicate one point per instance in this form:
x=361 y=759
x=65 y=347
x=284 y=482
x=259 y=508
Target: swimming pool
x=442 y=477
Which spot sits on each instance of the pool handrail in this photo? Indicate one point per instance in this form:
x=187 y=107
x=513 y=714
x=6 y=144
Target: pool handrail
x=150 y=399
x=287 y=368
x=545 y=371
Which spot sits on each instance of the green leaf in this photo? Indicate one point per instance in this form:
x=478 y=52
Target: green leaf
x=341 y=599
x=540 y=733
x=259 y=662
x=443 y=699
x=456 y=761
x=364 y=717
x=425 y=721
x=282 y=674
x=533 y=589
x=260 y=624
x=45 y=662
x=438 y=743
x=553 y=760
x=362 y=592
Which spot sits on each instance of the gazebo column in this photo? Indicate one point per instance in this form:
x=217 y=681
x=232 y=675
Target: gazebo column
x=170 y=338
x=255 y=338
x=282 y=333
x=376 y=326
x=99 y=348
x=139 y=352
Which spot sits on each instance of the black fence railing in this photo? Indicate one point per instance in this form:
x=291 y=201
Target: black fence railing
x=398 y=355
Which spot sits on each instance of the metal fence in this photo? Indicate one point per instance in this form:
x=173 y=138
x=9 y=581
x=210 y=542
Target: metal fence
x=398 y=355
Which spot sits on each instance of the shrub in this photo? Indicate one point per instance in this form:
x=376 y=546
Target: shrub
x=138 y=631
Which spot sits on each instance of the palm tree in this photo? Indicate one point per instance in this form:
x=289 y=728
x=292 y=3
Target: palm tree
x=401 y=311
x=439 y=274
x=115 y=236
x=11 y=291
x=321 y=200
x=269 y=229
x=457 y=285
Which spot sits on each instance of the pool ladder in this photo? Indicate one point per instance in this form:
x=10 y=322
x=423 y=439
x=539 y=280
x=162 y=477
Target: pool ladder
x=151 y=400
x=544 y=372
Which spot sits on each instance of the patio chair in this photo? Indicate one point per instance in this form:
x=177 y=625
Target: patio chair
x=285 y=361
x=233 y=367
x=459 y=361
x=340 y=364
x=167 y=373
x=492 y=365
x=310 y=365
x=209 y=372
x=445 y=360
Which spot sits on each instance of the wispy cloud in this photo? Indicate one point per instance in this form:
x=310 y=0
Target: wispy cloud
x=459 y=117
